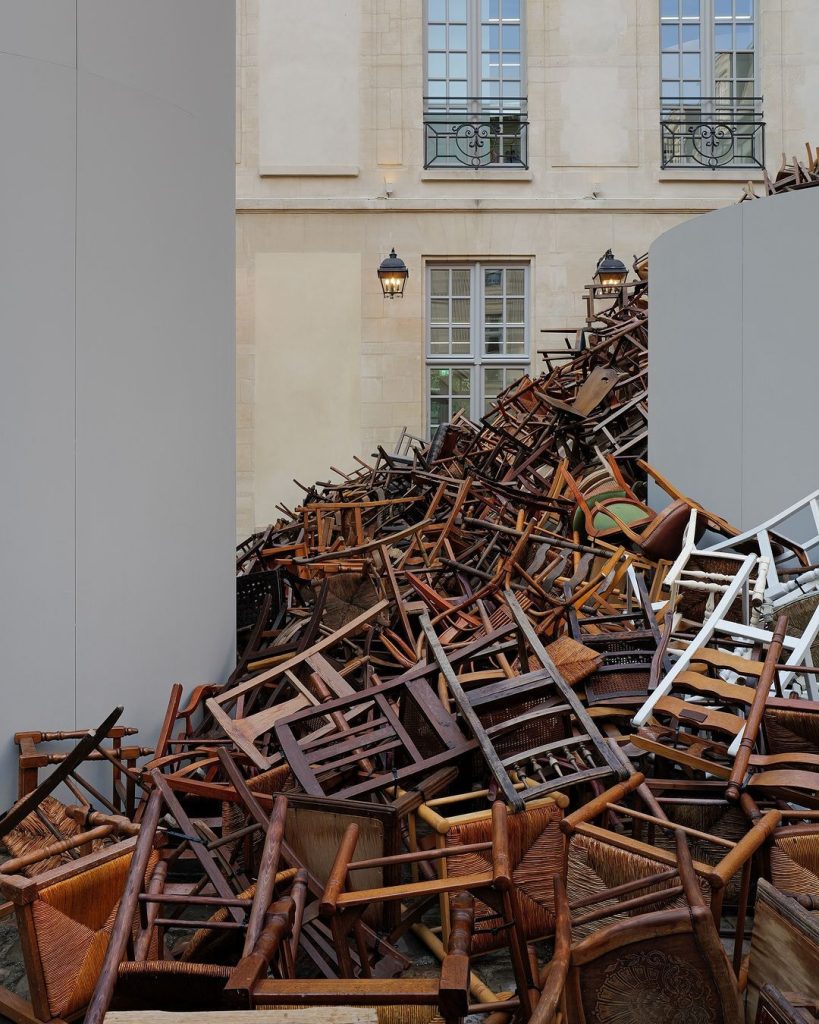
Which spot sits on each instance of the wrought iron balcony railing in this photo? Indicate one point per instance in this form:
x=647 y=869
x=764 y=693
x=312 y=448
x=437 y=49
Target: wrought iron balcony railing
x=476 y=132
x=713 y=132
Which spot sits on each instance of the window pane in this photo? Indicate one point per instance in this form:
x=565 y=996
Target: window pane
x=439 y=311
x=492 y=381
x=436 y=90
x=515 y=345
x=691 y=37
x=490 y=65
x=457 y=65
x=670 y=8
x=745 y=65
x=723 y=37
x=436 y=37
x=690 y=89
x=457 y=90
x=460 y=282
x=439 y=341
x=722 y=9
x=514 y=282
x=436 y=10
x=460 y=405
x=493 y=311
x=745 y=90
x=460 y=341
x=438 y=411
x=511 y=37
x=457 y=10
x=511 y=9
x=493 y=341
x=490 y=37
x=457 y=37
x=460 y=311
x=671 y=65
x=460 y=381
x=439 y=282
x=744 y=37
x=691 y=65
x=691 y=8
x=489 y=9
x=436 y=65
x=493 y=282
x=722 y=65
x=744 y=8
x=514 y=311
x=438 y=380
x=671 y=37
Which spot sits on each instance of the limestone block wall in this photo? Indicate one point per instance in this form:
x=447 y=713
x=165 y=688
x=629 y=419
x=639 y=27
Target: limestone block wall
x=357 y=186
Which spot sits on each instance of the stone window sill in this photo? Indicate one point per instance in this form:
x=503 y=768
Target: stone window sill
x=464 y=174
x=706 y=176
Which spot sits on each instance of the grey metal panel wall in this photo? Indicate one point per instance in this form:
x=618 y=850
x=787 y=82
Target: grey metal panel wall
x=695 y=398
x=733 y=358
x=129 y=423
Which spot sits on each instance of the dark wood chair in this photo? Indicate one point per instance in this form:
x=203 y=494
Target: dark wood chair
x=256 y=984
x=661 y=965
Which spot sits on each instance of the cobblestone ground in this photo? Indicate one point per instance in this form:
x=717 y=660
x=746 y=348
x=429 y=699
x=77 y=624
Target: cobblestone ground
x=12 y=975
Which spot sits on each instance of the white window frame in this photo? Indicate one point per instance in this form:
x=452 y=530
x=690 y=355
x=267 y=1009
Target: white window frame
x=708 y=49
x=474 y=52
x=476 y=361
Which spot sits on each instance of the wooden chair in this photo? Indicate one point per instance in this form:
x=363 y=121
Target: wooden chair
x=398 y=1000
x=342 y=905
x=777 y=1007
x=607 y=507
x=784 y=948
x=36 y=750
x=64 y=774
x=531 y=719
x=536 y=851
x=355 y=746
x=313 y=829
x=782 y=552
x=141 y=969
x=603 y=855
x=64 y=917
x=627 y=643
x=660 y=965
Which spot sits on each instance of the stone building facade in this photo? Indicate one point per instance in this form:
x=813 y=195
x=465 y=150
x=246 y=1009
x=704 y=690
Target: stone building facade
x=501 y=146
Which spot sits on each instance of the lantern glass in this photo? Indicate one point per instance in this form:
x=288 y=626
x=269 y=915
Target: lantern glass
x=611 y=274
x=393 y=275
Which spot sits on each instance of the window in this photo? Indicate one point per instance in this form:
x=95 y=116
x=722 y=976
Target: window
x=475 y=108
x=711 y=110
x=477 y=336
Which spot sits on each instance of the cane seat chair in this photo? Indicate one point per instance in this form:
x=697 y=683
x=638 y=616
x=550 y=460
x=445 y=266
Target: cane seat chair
x=64 y=918
x=656 y=965
x=605 y=855
x=536 y=852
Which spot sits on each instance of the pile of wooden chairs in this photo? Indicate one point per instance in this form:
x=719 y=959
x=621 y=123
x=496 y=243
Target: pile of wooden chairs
x=489 y=706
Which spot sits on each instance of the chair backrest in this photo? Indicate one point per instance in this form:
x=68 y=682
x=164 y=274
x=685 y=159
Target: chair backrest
x=665 y=966
x=784 y=947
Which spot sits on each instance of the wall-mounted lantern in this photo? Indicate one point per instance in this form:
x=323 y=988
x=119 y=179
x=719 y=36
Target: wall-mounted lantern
x=393 y=275
x=611 y=274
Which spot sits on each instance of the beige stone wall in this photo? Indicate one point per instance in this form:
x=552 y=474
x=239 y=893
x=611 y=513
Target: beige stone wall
x=593 y=91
